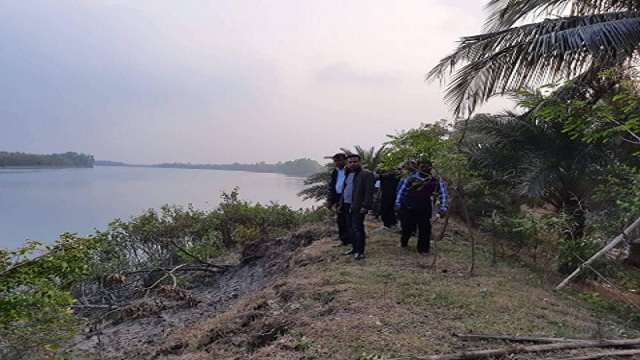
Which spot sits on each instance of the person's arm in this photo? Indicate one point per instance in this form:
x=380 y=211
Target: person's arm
x=402 y=190
x=444 y=197
x=369 y=190
x=331 y=190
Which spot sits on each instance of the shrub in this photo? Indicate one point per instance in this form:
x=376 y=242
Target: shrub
x=35 y=297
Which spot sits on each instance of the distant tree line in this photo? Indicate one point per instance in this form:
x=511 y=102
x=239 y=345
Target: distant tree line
x=298 y=167
x=68 y=159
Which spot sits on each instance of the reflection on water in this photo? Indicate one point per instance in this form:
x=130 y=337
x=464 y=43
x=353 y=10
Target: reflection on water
x=42 y=204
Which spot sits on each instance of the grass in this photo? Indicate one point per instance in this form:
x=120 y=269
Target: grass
x=395 y=305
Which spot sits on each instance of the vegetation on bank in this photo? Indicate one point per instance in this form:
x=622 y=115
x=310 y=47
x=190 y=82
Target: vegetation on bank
x=298 y=167
x=68 y=159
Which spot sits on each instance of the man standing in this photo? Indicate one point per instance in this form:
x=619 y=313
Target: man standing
x=414 y=200
x=388 y=189
x=358 y=200
x=334 y=198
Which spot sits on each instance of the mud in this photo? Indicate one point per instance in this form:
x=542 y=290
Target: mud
x=138 y=330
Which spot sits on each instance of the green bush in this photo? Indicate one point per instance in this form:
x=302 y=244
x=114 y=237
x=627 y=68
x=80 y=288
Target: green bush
x=35 y=297
x=175 y=235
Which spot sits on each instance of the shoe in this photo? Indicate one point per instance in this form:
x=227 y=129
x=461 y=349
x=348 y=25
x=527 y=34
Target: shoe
x=357 y=256
x=402 y=246
x=350 y=252
x=339 y=244
x=423 y=253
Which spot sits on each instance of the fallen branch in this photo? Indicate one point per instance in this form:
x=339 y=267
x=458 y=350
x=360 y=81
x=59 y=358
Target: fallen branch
x=94 y=306
x=604 y=355
x=515 y=338
x=206 y=268
x=484 y=354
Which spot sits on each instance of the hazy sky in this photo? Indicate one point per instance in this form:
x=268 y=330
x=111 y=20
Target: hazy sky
x=220 y=81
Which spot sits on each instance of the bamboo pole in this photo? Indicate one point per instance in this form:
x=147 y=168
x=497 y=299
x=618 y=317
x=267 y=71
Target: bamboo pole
x=602 y=251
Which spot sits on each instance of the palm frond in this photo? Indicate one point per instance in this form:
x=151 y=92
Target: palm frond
x=504 y=14
x=535 y=54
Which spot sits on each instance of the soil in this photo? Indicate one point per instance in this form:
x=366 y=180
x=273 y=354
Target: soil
x=134 y=335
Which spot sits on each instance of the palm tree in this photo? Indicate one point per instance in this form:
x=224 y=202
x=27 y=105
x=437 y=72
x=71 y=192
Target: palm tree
x=595 y=35
x=536 y=159
x=316 y=185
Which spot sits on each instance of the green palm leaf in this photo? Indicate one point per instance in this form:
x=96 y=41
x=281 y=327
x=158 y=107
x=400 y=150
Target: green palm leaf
x=535 y=54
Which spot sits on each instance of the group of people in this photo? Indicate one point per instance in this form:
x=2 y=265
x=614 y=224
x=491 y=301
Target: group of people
x=406 y=200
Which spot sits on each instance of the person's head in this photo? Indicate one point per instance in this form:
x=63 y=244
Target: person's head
x=339 y=160
x=354 y=163
x=425 y=166
x=410 y=166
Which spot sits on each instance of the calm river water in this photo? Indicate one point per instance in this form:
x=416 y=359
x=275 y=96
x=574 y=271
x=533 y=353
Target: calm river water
x=42 y=204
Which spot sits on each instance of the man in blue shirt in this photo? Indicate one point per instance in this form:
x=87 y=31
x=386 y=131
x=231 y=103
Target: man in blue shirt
x=414 y=199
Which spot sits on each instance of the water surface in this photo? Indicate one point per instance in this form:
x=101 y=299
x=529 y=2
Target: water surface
x=41 y=204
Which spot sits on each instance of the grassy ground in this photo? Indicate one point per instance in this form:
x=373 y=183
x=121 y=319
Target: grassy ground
x=395 y=304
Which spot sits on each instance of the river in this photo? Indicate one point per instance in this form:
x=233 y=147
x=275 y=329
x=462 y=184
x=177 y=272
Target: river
x=41 y=204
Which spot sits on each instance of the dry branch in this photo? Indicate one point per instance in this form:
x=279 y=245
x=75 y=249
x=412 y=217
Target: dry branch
x=212 y=268
x=514 y=338
x=604 y=355
x=488 y=353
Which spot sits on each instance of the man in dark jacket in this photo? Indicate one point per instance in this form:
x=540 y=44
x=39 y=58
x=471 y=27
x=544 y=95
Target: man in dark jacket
x=334 y=198
x=388 y=189
x=358 y=200
x=414 y=199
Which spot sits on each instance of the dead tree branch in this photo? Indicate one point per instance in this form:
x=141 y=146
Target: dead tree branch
x=514 y=338
x=605 y=355
x=489 y=353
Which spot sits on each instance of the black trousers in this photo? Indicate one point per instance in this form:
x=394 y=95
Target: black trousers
x=421 y=219
x=343 y=228
x=388 y=211
x=355 y=221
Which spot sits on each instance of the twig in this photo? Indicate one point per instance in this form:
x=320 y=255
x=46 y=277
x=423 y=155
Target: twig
x=184 y=268
x=174 y=281
x=94 y=306
x=438 y=240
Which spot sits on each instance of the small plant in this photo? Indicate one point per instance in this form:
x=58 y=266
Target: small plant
x=303 y=344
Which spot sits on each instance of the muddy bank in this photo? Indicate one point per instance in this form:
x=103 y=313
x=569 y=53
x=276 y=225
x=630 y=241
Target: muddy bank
x=135 y=331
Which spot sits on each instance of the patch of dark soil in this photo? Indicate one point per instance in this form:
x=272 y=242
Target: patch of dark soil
x=267 y=333
x=137 y=330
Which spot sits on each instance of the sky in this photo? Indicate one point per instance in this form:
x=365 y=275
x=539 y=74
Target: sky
x=211 y=82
